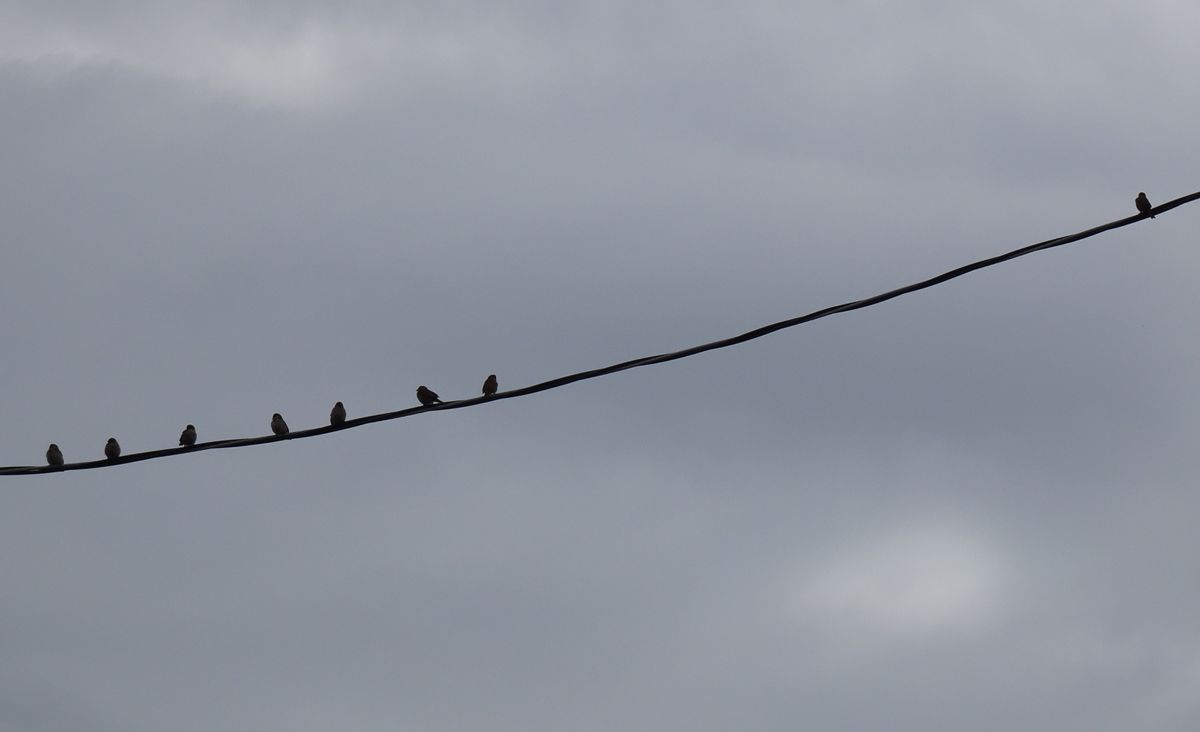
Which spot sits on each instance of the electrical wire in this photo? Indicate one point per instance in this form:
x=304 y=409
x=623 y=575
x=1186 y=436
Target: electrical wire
x=623 y=366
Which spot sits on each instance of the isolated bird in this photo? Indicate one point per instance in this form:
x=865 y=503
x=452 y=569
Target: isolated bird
x=490 y=385
x=426 y=397
x=54 y=455
x=112 y=449
x=337 y=415
x=278 y=426
x=1143 y=204
x=188 y=437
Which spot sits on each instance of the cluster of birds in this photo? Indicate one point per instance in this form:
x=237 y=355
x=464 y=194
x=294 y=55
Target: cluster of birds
x=426 y=396
x=337 y=416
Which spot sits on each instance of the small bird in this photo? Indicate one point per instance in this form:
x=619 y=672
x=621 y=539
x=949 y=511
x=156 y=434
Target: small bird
x=112 y=449
x=337 y=415
x=278 y=426
x=426 y=397
x=54 y=455
x=490 y=385
x=1143 y=204
x=188 y=437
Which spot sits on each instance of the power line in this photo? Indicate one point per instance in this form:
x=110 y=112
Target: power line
x=595 y=373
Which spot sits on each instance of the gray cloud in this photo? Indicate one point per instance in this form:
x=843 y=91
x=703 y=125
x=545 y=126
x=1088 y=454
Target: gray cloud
x=965 y=508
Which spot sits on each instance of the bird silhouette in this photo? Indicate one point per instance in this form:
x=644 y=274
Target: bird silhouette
x=337 y=415
x=1143 y=204
x=426 y=397
x=278 y=426
x=188 y=437
x=112 y=449
x=490 y=385
x=54 y=455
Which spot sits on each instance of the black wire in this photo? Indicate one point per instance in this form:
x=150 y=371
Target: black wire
x=594 y=373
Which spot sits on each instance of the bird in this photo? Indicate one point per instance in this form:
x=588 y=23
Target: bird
x=54 y=455
x=490 y=385
x=426 y=397
x=188 y=437
x=1143 y=204
x=338 y=414
x=112 y=449
x=278 y=426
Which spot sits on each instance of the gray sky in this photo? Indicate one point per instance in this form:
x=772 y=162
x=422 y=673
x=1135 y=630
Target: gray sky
x=971 y=508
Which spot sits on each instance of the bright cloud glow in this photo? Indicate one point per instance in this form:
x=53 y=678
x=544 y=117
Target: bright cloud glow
x=915 y=581
x=308 y=62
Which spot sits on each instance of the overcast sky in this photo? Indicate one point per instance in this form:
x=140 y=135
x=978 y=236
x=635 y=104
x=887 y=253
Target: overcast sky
x=971 y=508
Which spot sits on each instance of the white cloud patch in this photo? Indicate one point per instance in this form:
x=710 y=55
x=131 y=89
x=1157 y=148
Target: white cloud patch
x=307 y=61
x=913 y=582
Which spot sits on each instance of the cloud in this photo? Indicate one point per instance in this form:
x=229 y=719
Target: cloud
x=913 y=581
x=308 y=59
x=219 y=210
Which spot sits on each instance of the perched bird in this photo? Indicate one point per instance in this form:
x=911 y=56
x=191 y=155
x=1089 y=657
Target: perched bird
x=188 y=438
x=490 y=385
x=426 y=397
x=278 y=426
x=1143 y=204
x=337 y=415
x=54 y=455
x=112 y=449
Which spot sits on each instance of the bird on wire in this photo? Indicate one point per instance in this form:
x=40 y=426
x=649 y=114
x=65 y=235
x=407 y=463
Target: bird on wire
x=427 y=397
x=337 y=415
x=490 y=385
x=188 y=437
x=1143 y=204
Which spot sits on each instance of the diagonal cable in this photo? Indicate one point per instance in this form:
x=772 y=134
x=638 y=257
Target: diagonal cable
x=595 y=373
